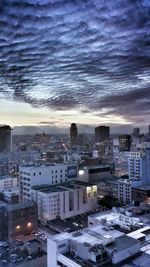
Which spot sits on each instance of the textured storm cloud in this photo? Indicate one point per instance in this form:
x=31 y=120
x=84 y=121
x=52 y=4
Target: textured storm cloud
x=88 y=55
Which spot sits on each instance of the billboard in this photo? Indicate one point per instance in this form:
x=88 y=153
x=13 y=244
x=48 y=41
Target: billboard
x=72 y=172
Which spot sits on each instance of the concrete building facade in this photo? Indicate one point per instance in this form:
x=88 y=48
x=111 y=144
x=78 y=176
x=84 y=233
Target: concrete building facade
x=8 y=183
x=5 y=138
x=40 y=174
x=124 y=191
x=65 y=200
x=102 y=133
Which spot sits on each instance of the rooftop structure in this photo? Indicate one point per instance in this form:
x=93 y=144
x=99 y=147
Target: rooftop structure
x=124 y=221
x=93 y=246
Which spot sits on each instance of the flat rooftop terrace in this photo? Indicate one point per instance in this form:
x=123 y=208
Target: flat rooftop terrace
x=60 y=187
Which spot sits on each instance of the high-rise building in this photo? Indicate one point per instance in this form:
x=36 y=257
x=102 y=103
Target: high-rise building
x=139 y=166
x=149 y=130
x=125 y=142
x=102 y=133
x=136 y=132
x=135 y=165
x=5 y=138
x=73 y=134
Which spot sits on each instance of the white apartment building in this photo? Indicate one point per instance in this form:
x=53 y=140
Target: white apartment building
x=8 y=183
x=40 y=174
x=135 y=165
x=139 y=166
x=93 y=246
x=124 y=191
x=64 y=200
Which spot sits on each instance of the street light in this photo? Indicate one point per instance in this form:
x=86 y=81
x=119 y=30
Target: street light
x=29 y=224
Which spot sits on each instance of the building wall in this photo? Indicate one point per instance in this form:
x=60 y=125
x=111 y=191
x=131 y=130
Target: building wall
x=51 y=253
x=126 y=253
x=65 y=204
x=21 y=221
x=124 y=192
x=83 y=200
x=135 y=166
x=102 y=133
x=8 y=183
x=37 y=175
x=139 y=166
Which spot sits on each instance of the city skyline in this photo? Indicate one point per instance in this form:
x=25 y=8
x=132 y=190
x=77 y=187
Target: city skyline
x=84 y=62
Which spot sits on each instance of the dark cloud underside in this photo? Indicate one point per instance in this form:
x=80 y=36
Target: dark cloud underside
x=69 y=54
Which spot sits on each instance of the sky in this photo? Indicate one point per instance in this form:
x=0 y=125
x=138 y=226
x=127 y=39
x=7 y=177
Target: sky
x=82 y=61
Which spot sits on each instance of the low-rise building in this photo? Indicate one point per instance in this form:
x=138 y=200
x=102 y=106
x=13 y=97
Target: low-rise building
x=37 y=174
x=18 y=219
x=118 y=218
x=93 y=246
x=96 y=173
x=64 y=200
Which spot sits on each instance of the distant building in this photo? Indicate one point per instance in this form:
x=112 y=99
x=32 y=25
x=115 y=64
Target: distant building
x=125 y=142
x=102 y=133
x=136 y=132
x=65 y=200
x=124 y=191
x=18 y=219
x=7 y=182
x=41 y=174
x=139 y=166
x=73 y=135
x=5 y=138
x=135 y=165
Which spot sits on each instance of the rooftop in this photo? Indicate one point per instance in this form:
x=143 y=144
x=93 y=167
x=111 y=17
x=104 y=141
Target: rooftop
x=142 y=187
x=60 y=187
x=11 y=207
x=44 y=164
x=121 y=243
x=90 y=236
x=100 y=166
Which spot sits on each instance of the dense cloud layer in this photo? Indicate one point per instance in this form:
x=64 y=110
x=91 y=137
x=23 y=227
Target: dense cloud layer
x=67 y=54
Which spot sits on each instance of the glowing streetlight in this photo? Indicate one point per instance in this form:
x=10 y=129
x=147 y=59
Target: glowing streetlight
x=29 y=224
